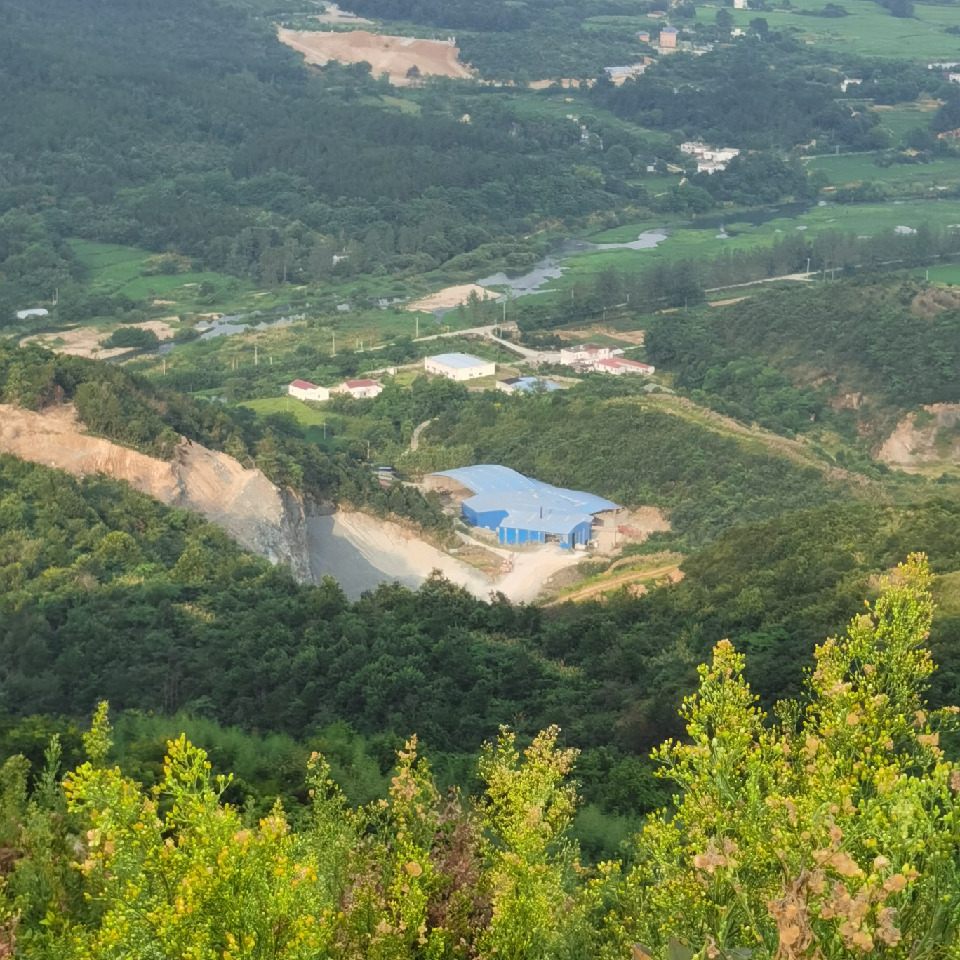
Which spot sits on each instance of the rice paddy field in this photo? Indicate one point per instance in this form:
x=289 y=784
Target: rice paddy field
x=868 y=30
x=690 y=242
x=904 y=179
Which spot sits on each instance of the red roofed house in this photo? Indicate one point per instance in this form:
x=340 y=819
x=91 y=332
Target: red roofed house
x=304 y=390
x=360 y=389
x=618 y=366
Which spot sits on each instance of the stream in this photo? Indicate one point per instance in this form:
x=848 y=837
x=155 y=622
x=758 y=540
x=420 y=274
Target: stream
x=552 y=266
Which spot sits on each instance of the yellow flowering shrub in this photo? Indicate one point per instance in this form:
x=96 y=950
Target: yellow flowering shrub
x=830 y=833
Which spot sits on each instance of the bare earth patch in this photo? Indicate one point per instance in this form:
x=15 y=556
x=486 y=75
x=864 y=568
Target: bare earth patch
x=395 y=56
x=935 y=440
x=450 y=297
x=242 y=501
x=85 y=341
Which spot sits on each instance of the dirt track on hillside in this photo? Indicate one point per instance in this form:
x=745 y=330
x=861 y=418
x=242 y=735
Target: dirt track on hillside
x=394 y=56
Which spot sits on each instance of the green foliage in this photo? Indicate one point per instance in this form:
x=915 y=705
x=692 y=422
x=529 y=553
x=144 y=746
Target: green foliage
x=829 y=831
x=863 y=333
x=136 y=337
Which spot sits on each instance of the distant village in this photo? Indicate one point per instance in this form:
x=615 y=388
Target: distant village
x=462 y=367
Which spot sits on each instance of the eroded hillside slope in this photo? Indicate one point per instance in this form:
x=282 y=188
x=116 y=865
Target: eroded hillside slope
x=257 y=514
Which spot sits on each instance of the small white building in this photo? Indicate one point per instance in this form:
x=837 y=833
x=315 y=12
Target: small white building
x=619 y=366
x=739 y=4
x=459 y=366
x=36 y=312
x=586 y=353
x=360 y=389
x=304 y=390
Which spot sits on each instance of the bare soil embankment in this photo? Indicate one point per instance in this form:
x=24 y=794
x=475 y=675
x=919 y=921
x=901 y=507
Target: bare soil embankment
x=395 y=56
x=924 y=440
x=258 y=515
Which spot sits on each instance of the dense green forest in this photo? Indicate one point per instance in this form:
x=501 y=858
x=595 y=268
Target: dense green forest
x=225 y=149
x=887 y=340
x=831 y=824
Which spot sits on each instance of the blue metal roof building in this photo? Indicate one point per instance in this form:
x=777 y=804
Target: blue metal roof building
x=522 y=510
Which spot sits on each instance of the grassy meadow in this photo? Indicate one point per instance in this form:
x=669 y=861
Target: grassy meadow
x=124 y=271
x=690 y=242
x=868 y=30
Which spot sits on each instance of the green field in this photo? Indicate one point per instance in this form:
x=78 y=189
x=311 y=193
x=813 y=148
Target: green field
x=869 y=30
x=899 y=178
x=687 y=243
x=122 y=271
x=306 y=414
x=949 y=274
x=904 y=117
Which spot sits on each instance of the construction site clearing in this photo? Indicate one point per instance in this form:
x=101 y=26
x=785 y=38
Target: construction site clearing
x=404 y=59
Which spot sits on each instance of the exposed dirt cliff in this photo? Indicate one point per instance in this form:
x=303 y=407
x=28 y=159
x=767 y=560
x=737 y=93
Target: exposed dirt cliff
x=258 y=515
x=931 y=437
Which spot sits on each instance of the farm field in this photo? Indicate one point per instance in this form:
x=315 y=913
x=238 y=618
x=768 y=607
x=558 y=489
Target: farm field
x=393 y=55
x=869 y=31
x=122 y=271
x=689 y=242
x=949 y=274
x=905 y=178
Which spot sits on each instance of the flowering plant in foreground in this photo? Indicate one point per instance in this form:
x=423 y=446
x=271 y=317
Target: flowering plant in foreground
x=831 y=832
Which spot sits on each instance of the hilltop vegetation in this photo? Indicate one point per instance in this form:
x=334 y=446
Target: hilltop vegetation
x=826 y=828
x=896 y=343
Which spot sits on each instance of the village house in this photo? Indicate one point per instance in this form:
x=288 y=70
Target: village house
x=304 y=390
x=360 y=389
x=585 y=354
x=709 y=159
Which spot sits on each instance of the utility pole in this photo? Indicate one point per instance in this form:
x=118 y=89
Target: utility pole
x=256 y=356
x=808 y=266
x=164 y=366
x=416 y=320
x=334 y=353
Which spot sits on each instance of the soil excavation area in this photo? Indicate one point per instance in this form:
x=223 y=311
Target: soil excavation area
x=450 y=297
x=242 y=501
x=395 y=56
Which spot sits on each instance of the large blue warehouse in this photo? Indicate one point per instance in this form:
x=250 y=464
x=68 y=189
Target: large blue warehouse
x=522 y=510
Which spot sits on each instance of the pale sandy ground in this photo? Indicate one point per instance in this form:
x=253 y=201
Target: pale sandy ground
x=399 y=555
x=566 y=82
x=244 y=502
x=450 y=297
x=385 y=54
x=85 y=341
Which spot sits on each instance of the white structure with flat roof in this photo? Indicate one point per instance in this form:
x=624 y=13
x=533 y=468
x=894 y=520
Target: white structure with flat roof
x=459 y=366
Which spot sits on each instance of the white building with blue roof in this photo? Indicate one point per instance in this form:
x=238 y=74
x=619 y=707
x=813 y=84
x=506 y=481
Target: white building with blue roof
x=459 y=366
x=522 y=510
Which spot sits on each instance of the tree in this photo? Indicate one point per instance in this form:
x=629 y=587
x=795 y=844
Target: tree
x=829 y=833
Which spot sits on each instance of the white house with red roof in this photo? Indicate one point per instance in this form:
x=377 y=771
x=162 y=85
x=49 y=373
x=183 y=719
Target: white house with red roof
x=360 y=389
x=305 y=390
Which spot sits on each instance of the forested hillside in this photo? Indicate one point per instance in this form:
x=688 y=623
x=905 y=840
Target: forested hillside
x=895 y=343
x=824 y=827
x=220 y=145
